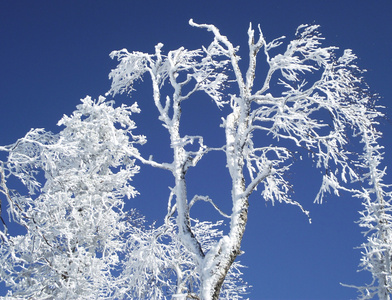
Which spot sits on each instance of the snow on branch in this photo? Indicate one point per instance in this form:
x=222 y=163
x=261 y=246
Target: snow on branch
x=206 y=199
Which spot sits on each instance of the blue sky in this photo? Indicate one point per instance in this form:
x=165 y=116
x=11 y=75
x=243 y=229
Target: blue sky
x=52 y=53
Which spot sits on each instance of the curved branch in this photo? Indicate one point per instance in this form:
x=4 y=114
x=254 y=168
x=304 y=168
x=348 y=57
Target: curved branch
x=207 y=199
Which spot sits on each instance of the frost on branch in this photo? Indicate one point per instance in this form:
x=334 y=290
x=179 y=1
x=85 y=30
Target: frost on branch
x=199 y=69
x=74 y=223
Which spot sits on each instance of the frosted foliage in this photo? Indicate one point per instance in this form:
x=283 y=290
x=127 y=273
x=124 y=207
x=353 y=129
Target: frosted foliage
x=75 y=222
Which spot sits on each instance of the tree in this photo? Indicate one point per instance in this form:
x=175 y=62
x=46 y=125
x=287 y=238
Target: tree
x=376 y=216
x=316 y=110
x=76 y=223
x=309 y=104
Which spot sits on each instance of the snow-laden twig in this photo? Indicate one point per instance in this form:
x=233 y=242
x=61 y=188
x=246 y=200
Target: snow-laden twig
x=207 y=199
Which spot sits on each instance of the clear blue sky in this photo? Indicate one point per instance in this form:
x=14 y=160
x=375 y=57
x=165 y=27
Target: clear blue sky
x=52 y=53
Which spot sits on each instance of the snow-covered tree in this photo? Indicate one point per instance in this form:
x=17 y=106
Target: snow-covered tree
x=308 y=102
x=313 y=111
x=376 y=216
x=74 y=224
